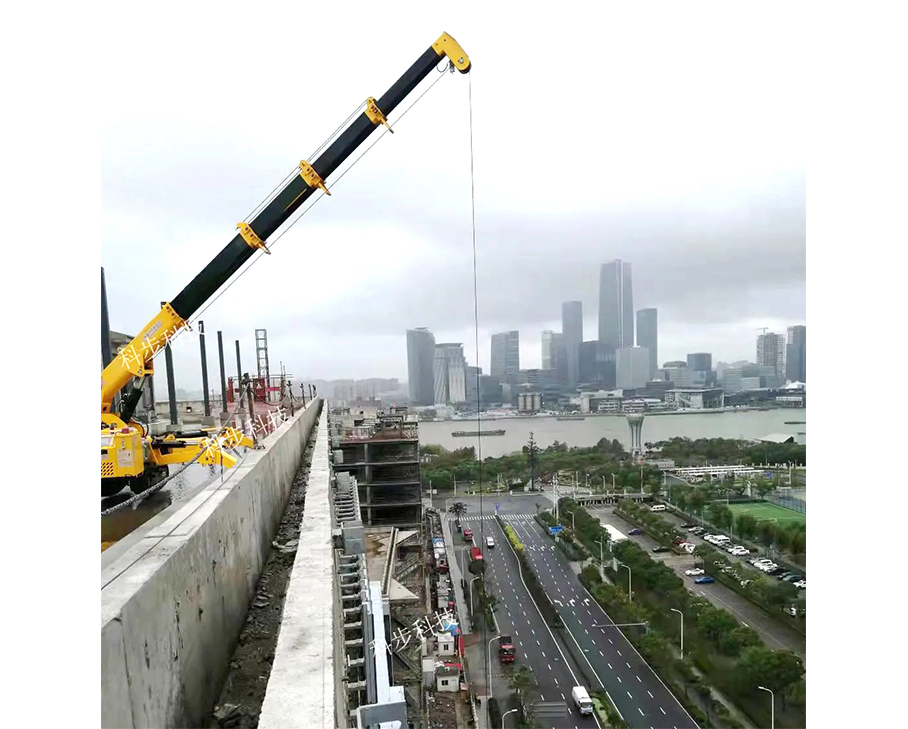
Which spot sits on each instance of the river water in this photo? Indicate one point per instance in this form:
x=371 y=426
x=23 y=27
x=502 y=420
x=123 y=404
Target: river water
x=748 y=425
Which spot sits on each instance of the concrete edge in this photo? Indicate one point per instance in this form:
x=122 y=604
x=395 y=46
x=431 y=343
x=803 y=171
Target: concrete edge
x=301 y=688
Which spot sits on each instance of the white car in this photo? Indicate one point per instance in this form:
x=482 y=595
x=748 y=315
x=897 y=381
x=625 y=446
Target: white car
x=490 y=542
x=801 y=584
x=696 y=572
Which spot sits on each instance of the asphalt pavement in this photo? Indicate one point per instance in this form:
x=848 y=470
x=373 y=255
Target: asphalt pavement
x=553 y=669
x=774 y=634
x=636 y=690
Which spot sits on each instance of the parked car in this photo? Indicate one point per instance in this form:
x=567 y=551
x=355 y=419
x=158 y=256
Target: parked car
x=705 y=580
x=687 y=526
x=801 y=584
x=695 y=572
x=635 y=531
x=657 y=550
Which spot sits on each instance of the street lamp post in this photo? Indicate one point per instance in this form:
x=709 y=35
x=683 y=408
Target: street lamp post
x=490 y=665
x=573 y=526
x=772 y=707
x=504 y=715
x=601 y=562
x=675 y=610
x=630 y=595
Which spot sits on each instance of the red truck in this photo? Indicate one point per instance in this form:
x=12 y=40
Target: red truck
x=506 y=652
x=467 y=534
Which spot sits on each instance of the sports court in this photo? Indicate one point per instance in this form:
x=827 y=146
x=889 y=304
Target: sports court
x=768 y=512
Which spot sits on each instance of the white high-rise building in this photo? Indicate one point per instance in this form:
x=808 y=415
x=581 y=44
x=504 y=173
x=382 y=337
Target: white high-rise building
x=450 y=374
x=771 y=352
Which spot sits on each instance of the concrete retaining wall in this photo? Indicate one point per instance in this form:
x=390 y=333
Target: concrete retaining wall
x=173 y=604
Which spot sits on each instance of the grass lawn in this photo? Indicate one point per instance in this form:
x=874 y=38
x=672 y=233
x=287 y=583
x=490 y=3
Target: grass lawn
x=768 y=512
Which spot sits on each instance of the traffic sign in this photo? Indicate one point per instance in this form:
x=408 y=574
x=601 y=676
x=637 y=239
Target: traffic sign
x=555 y=529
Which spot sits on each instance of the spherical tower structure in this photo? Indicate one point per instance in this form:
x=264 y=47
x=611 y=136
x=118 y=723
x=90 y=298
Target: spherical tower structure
x=635 y=423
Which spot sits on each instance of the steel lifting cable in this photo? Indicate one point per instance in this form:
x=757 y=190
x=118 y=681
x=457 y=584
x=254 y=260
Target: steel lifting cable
x=136 y=499
x=482 y=522
x=306 y=210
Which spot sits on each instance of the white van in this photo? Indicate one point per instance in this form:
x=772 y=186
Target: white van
x=582 y=699
x=657 y=507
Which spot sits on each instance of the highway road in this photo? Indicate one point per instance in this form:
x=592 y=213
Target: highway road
x=773 y=633
x=637 y=692
x=552 y=667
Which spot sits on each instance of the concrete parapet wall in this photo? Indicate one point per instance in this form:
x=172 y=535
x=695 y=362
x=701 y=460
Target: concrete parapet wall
x=301 y=688
x=173 y=604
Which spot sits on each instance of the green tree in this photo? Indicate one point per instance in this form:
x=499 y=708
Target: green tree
x=521 y=682
x=797 y=544
x=746 y=526
x=720 y=515
x=776 y=670
x=697 y=500
x=767 y=532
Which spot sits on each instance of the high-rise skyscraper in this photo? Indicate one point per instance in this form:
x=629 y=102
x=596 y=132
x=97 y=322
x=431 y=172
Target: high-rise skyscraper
x=702 y=362
x=450 y=374
x=647 y=336
x=796 y=354
x=420 y=366
x=474 y=377
x=616 y=305
x=632 y=367
x=548 y=349
x=771 y=352
x=505 y=354
x=572 y=329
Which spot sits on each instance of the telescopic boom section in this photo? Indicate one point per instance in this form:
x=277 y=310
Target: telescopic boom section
x=134 y=360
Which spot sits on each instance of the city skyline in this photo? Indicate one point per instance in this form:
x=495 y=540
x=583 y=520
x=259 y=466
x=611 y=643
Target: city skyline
x=692 y=360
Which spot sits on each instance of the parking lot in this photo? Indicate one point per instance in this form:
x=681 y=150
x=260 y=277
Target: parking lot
x=773 y=633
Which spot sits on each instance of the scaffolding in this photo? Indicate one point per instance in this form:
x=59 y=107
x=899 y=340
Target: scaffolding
x=261 y=354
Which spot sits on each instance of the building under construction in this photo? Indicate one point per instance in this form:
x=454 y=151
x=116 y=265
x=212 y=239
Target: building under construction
x=381 y=450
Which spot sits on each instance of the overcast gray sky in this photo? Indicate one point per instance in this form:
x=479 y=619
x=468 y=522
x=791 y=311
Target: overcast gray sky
x=666 y=138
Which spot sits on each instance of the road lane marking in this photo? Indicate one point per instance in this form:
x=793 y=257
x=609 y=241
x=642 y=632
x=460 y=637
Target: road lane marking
x=549 y=665
x=629 y=696
x=639 y=679
x=641 y=711
x=628 y=664
x=610 y=667
x=609 y=640
x=537 y=642
x=650 y=695
x=619 y=678
x=619 y=653
x=543 y=654
x=662 y=710
x=602 y=654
